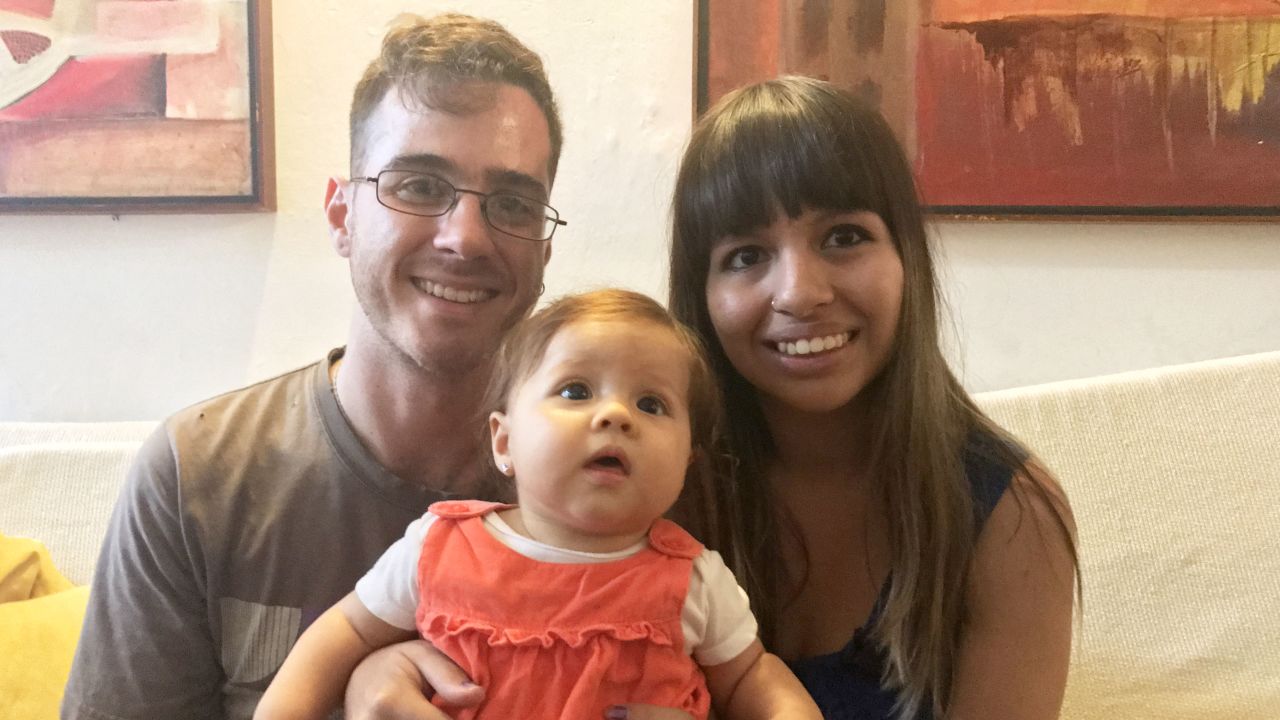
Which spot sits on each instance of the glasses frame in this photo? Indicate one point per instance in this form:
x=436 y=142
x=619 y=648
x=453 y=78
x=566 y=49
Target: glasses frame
x=458 y=192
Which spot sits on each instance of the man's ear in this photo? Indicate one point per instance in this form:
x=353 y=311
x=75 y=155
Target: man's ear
x=546 y=253
x=500 y=439
x=337 y=210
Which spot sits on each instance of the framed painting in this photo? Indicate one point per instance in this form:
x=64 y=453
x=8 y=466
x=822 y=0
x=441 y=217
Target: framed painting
x=1132 y=108
x=122 y=106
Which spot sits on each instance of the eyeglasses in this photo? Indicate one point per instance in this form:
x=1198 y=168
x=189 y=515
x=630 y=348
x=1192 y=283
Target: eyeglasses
x=427 y=195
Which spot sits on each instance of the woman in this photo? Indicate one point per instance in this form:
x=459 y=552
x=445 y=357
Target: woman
x=902 y=552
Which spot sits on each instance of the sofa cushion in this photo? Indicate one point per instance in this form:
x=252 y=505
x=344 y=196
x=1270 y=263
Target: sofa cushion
x=61 y=493
x=37 y=642
x=1174 y=477
x=40 y=616
x=26 y=571
x=43 y=433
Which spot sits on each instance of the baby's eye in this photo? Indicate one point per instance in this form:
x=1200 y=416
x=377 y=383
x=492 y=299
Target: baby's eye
x=652 y=405
x=575 y=391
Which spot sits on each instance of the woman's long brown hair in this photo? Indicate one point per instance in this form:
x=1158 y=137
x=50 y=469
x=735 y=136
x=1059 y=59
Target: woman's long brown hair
x=796 y=143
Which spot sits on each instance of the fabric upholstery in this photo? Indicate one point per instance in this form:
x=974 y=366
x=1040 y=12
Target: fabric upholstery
x=61 y=493
x=1174 y=478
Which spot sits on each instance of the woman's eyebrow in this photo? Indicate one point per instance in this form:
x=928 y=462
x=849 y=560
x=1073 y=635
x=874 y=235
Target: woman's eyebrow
x=737 y=236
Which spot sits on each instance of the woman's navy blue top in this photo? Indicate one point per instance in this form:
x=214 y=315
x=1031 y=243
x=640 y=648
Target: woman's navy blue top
x=846 y=683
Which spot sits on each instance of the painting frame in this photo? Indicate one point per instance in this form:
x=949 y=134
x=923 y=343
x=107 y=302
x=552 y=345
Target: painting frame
x=255 y=183
x=753 y=53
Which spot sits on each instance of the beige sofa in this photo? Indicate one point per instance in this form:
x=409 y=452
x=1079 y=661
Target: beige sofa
x=1174 y=474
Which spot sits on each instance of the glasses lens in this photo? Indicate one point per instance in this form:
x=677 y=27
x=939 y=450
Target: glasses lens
x=415 y=193
x=520 y=216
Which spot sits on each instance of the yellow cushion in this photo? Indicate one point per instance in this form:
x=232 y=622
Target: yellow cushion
x=37 y=641
x=26 y=571
x=37 y=635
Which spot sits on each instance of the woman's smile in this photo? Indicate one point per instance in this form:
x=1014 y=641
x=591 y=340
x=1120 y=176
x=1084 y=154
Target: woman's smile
x=811 y=345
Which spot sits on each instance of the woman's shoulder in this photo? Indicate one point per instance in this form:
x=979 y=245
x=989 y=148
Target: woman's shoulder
x=1019 y=597
x=990 y=463
x=1000 y=471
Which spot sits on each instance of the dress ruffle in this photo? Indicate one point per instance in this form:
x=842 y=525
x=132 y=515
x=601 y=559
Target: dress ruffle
x=438 y=624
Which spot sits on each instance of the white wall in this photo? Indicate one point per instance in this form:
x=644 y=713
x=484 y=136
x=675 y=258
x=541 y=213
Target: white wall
x=1035 y=302
x=106 y=319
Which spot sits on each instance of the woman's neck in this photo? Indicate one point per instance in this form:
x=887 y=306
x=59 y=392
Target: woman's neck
x=817 y=447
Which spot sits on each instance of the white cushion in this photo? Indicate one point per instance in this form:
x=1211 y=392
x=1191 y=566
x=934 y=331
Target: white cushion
x=62 y=493
x=39 y=433
x=1174 y=477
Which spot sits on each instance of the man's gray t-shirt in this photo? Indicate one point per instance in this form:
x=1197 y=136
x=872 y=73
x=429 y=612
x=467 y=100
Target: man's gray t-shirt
x=243 y=518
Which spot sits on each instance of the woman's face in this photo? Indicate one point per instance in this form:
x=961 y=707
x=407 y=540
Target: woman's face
x=807 y=308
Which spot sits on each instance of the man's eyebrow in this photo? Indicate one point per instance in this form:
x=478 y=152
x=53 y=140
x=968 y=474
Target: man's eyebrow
x=421 y=161
x=516 y=181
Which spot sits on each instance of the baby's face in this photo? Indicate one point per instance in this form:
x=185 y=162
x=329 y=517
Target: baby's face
x=598 y=435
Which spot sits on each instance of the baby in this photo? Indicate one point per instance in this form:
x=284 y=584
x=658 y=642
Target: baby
x=582 y=596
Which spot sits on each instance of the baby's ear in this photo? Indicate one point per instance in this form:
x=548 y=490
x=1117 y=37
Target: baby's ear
x=500 y=440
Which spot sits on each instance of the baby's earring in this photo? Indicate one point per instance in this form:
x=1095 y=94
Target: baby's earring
x=505 y=468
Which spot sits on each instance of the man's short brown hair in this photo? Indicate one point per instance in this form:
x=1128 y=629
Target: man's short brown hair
x=443 y=63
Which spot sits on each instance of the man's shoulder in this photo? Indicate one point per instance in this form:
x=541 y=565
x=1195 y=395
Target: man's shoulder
x=249 y=403
x=234 y=425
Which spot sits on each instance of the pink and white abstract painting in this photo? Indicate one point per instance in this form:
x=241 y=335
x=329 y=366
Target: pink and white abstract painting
x=123 y=105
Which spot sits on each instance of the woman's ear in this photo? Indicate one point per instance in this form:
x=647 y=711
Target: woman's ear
x=500 y=440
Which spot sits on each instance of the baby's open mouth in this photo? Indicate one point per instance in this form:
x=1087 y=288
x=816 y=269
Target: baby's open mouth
x=610 y=460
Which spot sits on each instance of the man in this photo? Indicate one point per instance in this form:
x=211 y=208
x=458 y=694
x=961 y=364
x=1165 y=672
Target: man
x=245 y=516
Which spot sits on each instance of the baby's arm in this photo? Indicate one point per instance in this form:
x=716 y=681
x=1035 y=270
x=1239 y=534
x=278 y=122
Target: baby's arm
x=314 y=675
x=744 y=680
x=757 y=684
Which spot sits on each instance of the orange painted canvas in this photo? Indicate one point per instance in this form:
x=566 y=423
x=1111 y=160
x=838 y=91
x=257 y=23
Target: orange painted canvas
x=134 y=105
x=1040 y=107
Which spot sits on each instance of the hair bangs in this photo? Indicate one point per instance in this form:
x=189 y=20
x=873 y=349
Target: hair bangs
x=770 y=150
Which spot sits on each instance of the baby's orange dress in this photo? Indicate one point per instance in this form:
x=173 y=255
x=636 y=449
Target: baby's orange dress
x=553 y=640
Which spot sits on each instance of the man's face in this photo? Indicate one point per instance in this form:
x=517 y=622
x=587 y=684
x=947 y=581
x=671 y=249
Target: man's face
x=441 y=291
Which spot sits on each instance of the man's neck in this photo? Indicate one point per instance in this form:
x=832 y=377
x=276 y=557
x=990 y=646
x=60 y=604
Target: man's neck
x=421 y=426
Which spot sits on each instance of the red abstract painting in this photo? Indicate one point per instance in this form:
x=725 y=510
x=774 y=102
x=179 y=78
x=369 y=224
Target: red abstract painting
x=1034 y=107
x=127 y=105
